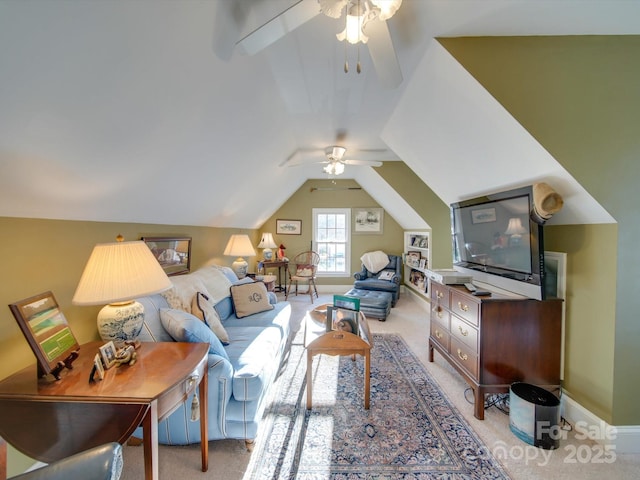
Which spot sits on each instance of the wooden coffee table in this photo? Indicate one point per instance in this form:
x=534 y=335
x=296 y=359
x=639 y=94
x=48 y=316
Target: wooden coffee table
x=319 y=341
x=49 y=420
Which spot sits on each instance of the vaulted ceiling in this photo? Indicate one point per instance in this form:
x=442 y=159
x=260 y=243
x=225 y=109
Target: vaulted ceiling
x=146 y=112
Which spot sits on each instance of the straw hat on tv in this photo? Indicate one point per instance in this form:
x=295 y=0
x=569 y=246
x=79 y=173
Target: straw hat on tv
x=546 y=203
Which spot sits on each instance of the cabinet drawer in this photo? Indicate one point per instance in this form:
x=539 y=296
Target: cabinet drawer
x=464 y=332
x=464 y=307
x=177 y=395
x=464 y=356
x=440 y=335
x=439 y=295
x=441 y=316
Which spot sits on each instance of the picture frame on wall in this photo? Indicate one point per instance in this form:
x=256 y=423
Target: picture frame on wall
x=173 y=253
x=47 y=332
x=288 y=227
x=368 y=220
x=483 y=215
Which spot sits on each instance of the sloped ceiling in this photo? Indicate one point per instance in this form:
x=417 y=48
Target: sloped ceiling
x=140 y=111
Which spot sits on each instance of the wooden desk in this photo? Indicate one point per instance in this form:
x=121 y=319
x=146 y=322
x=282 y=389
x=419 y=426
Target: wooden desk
x=49 y=420
x=319 y=341
x=280 y=265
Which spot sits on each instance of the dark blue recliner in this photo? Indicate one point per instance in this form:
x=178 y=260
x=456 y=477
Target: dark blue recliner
x=366 y=280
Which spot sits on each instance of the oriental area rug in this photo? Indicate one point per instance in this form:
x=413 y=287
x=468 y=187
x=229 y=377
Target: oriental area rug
x=411 y=431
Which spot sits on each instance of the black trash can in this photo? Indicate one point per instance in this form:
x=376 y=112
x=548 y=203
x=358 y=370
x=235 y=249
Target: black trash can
x=534 y=415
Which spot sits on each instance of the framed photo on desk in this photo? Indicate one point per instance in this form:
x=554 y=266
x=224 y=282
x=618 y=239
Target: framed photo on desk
x=47 y=332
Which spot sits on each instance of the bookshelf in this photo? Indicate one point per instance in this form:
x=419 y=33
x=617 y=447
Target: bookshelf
x=416 y=260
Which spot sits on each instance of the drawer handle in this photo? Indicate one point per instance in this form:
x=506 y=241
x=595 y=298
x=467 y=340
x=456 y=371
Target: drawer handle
x=462 y=356
x=463 y=307
x=192 y=381
x=439 y=295
x=438 y=334
x=463 y=332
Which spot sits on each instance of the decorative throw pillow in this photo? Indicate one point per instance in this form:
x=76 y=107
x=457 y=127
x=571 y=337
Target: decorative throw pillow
x=304 y=270
x=250 y=298
x=202 y=308
x=184 y=327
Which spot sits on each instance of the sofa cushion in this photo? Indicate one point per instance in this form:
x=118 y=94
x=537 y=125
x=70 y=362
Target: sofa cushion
x=250 y=298
x=185 y=327
x=202 y=308
x=251 y=353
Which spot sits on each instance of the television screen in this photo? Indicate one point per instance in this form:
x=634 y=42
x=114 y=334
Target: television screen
x=495 y=235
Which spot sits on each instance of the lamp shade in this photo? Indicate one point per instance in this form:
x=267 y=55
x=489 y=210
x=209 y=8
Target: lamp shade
x=239 y=246
x=118 y=272
x=267 y=241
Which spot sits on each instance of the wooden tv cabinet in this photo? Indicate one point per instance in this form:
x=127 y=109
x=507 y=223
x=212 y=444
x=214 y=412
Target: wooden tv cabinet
x=493 y=341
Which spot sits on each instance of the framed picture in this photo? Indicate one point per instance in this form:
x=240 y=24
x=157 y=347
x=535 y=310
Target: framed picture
x=289 y=227
x=368 y=220
x=350 y=303
x=343 y=319
x=413 y=259
x=98 y=368
x=483 y=215
x=46 y=329
x=108 y=354
x=173 y=253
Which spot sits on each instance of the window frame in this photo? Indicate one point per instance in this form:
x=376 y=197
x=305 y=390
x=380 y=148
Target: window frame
x=347 y=254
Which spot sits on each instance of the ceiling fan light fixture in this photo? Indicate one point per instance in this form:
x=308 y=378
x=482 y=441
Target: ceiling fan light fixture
x=388 y=8
x=334 y=168
x=353 y=29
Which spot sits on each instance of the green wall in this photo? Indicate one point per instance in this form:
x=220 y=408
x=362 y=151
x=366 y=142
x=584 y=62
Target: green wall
x=579 y=97
x=426 y=204
x=333 y=194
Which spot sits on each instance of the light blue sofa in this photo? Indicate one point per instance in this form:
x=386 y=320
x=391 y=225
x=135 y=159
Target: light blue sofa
x=240 y=373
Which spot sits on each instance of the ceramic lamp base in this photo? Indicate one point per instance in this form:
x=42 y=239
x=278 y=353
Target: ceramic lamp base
x=240 y=267
x=120 y=322
x=268 y=254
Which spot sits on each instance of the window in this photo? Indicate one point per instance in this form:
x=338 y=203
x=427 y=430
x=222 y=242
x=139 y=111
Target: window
x=331 y=236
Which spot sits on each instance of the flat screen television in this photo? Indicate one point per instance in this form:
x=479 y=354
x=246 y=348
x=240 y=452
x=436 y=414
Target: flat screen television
x=496 y=241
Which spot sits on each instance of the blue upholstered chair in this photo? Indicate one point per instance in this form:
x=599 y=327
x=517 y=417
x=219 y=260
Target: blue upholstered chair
x=98 y=463
x=366 y=280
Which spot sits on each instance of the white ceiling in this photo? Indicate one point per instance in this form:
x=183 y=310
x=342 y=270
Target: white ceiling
x=143 y=112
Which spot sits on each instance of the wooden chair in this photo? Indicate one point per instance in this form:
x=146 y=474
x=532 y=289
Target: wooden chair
x=306 y=266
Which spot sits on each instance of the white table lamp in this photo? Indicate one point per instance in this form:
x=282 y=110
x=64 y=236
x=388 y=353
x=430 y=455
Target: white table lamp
x=267 y=243
x=116 y=274
x=239 y=246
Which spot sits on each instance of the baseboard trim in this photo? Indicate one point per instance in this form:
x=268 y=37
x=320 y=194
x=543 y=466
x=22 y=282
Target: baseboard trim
x=625 y=438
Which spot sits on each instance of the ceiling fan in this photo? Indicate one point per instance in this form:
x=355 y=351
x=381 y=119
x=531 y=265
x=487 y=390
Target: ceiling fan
x=334 y=160
x=365 y=21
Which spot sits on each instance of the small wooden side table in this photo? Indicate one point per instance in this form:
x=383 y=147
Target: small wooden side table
x=283 y=267
x=49 y=420
x=319 y=341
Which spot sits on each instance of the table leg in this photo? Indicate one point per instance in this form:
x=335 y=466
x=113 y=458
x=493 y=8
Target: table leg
x=204 y=423
x=309 y=378
x=367 y=378
x=150 y=442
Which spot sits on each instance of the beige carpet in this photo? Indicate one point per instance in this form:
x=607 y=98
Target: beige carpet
x=575 y=459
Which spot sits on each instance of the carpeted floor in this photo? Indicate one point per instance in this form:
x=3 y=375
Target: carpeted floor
x=411 y=430
x=229 y=459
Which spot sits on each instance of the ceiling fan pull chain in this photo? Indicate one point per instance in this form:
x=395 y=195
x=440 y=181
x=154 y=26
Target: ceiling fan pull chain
x=358 y=68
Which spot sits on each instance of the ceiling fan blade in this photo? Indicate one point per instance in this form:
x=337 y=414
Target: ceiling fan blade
x=383 y=54
x=277 y=27
x=304 y=156
x=367 y=163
